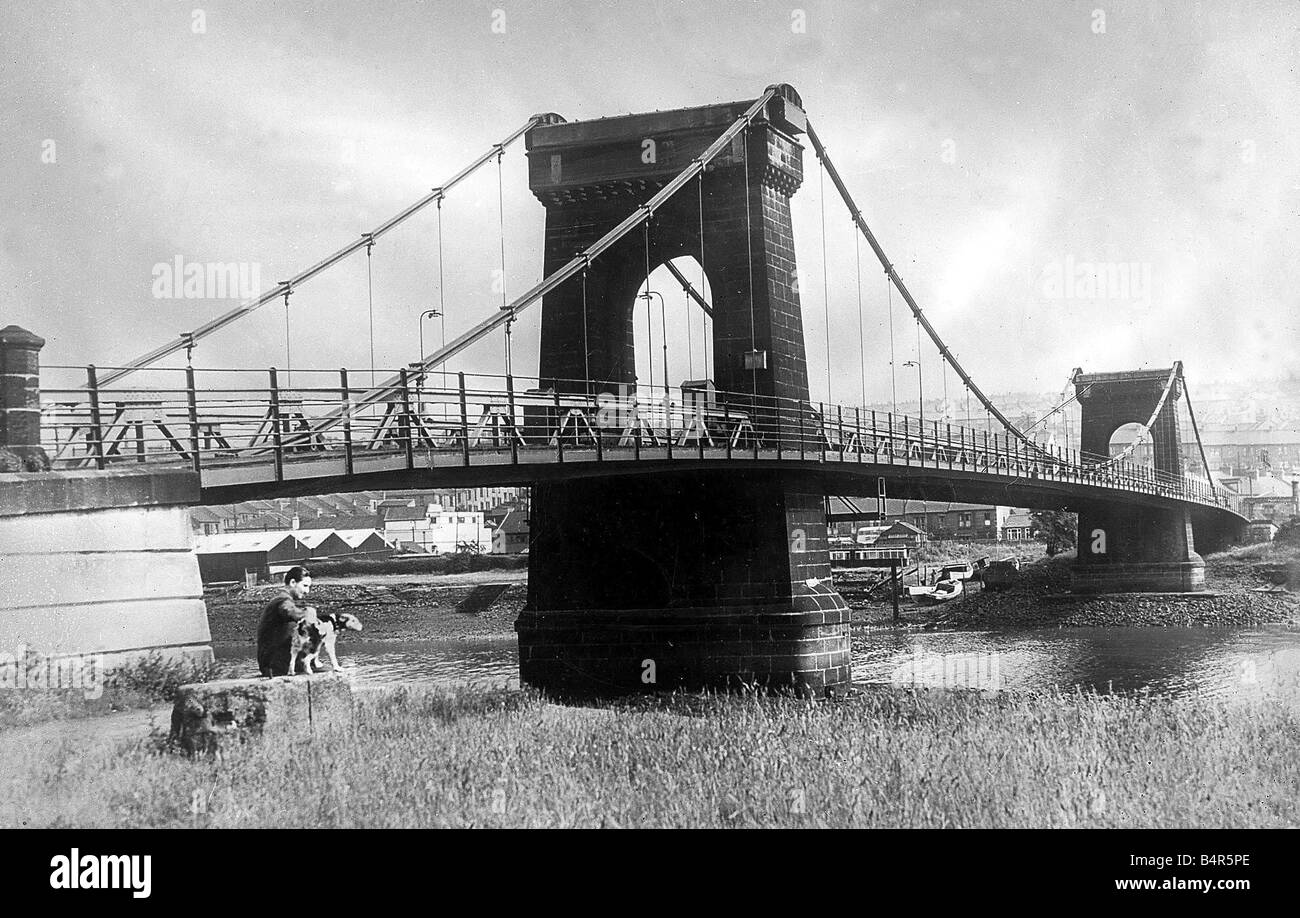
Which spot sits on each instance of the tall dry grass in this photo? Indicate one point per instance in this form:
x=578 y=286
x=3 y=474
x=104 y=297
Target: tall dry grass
x=887 y=759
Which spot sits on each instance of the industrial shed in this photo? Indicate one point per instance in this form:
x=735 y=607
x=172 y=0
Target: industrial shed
x=322 y=543
x=228 y=555
x=365 y=543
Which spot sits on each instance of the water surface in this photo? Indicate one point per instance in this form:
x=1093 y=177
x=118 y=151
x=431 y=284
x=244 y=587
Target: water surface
x=1232 y=664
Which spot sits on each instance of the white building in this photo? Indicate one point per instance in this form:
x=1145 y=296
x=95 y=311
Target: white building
x=438 y=531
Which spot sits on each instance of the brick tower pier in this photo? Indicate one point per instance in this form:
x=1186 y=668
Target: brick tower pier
x=1134 y=548
x=697 y=578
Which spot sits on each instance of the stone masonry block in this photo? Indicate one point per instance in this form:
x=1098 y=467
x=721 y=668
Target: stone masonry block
x=209 y=716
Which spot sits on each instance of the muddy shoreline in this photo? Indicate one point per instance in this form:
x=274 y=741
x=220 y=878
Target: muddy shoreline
x=400 y=608
x=1237 y=594
x=397 y=610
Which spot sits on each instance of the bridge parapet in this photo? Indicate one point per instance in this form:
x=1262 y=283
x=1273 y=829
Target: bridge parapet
x=251 y=426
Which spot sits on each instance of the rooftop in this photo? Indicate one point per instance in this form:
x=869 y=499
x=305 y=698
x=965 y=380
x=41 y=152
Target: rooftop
x=312 y=538
x=228 y=542
x=355 y=537
x=344 y=521
x=514 y=523
x=404 y=513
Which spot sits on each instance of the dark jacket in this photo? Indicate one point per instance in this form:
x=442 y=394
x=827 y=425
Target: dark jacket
x=274 y=634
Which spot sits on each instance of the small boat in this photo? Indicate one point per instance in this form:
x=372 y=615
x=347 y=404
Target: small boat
x=1000 y=575
x=961 y=570
x=942 y=591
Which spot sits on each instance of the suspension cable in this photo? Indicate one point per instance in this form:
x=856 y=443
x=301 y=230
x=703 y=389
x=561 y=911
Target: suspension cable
x=501 y=219
x=690 y=345
x=288 y=362
x=704 y=329
x=561 y=275
x=1145 y=432
x=370 y=299
x=921 y=318
x=597 y=248
x=920 y=376
x=442 y=296
x=692 y=294
x=586 y=351
x=826 y=289
x=893 y=374
x=1059 y=408
x=649 y=321
x=947 y=409
x=862 y=337
x=248 y=306
x=1209 y=476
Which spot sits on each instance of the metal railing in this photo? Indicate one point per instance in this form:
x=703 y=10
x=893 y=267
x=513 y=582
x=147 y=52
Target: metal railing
x=242 y=425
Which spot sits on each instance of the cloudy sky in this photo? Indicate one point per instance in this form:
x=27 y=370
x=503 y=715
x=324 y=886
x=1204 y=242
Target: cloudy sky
x=998 y=149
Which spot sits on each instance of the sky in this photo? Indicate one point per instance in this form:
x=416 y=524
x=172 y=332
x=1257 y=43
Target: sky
x=1006 y=154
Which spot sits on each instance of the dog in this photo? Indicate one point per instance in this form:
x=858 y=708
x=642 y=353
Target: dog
x=310 y=639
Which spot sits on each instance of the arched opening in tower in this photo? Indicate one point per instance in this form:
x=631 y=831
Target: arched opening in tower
x=1123 y=437
x=672 y=331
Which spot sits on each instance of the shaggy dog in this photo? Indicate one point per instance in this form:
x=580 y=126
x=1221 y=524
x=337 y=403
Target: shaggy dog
x=311 y=638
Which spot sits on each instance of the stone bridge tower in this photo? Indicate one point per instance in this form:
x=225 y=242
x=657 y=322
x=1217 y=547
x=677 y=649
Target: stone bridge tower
x=678 y=579
x=1134 y=547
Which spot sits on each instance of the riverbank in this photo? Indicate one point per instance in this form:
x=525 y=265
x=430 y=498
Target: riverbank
x=1246 y=587
x=392 y=608
x=888 y=758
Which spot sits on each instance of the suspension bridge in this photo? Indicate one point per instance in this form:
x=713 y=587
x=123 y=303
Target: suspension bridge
x=679 y=533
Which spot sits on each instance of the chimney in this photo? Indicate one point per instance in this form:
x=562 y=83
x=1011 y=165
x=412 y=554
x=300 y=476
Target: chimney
x=296 y=524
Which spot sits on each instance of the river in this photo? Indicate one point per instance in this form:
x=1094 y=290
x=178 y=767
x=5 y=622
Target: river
x=1229 y=664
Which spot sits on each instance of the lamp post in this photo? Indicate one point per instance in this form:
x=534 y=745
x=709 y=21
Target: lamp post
x=920 y=390
x=663 y=319
x=429 y=314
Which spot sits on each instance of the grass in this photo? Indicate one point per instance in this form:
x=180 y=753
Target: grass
x=1258 y=551
x=885 y=759
x=144 y=683
x=1263 y=562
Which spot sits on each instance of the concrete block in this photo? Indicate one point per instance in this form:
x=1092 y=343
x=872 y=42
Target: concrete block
x=209 y=716
x=122 y=576
x=79 y=491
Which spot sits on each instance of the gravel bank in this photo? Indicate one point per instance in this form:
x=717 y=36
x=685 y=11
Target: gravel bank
x=1239 y=594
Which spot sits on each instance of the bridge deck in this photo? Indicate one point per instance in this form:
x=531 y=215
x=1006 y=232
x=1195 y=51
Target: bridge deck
x=262 y=442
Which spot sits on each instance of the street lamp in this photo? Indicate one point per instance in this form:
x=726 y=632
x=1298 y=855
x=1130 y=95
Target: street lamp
x=430 y=314
x=920 y=390
x=663 y=319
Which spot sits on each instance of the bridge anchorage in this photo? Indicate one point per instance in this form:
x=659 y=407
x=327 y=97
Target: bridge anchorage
x=693 y=578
